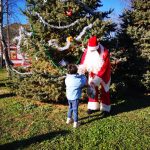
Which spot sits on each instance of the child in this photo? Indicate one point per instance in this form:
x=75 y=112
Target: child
x=74 y=84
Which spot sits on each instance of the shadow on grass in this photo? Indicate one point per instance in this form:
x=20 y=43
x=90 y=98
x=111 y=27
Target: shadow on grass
x=91 y=118
x=26 y=142
x=7 y=95
x=129 y=104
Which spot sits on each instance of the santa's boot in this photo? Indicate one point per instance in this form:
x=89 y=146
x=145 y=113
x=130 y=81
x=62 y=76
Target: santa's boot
x=89 y=111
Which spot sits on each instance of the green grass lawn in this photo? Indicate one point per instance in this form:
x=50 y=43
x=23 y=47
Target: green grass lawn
x=29 y=124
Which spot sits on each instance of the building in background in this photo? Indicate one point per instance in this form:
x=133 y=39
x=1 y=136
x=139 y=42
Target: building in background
x=18 y=59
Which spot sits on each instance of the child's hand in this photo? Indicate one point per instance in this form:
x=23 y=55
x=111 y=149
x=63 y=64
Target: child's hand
x=81 y=69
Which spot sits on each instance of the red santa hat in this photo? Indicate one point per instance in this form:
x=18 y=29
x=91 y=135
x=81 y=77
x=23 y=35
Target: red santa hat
x=93 y=43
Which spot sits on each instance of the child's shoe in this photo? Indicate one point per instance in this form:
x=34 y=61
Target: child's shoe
x=76 y=124
x=69 y=121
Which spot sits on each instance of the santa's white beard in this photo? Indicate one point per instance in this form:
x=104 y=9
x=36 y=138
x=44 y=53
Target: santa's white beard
x=93 y=61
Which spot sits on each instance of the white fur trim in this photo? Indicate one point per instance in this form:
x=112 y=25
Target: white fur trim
x=93 y=105
x=106 y=86
x=104 y=107
x=93 y=48
x=97 y=80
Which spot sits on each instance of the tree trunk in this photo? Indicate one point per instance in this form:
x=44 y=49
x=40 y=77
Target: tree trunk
x=8 y=31
x=3 y=43
x=1 y=32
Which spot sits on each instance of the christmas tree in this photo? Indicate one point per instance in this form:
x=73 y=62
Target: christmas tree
x=60 y=30
x=134 y=37
x=140 y=33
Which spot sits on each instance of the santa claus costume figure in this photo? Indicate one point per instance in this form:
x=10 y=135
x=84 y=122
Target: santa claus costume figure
x=95 y=60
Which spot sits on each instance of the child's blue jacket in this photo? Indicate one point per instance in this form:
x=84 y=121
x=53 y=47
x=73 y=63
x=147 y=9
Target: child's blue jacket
x=74 y=84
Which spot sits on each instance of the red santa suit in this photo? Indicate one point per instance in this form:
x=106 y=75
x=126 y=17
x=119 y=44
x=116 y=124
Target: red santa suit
x=95 y=60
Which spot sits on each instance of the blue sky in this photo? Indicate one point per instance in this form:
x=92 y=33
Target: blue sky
x=117 y=5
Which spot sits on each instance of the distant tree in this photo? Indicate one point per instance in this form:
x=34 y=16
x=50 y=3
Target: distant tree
x=4 y=45
x=14 y=30
x=12 y=10
x=8 y=12
x=4 y=50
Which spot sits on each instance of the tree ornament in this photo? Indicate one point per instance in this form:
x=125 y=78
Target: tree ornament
x=69 y=39
x=69 y=12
